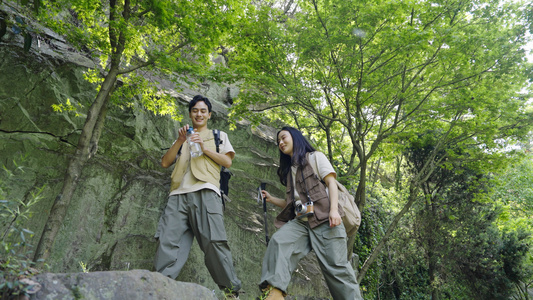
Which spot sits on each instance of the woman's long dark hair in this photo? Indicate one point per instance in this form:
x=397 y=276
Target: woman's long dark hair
x=300 y=147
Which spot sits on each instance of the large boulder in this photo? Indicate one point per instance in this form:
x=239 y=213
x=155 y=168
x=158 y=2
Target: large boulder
x=116 y=285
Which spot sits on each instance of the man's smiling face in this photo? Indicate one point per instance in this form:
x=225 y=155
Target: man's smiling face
x=199 y=114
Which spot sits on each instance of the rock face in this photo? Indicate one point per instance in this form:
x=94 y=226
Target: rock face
x=117 y=285
x=123 y=190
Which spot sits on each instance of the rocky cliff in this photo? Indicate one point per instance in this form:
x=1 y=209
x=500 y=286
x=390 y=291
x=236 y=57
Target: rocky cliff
x=116 y=207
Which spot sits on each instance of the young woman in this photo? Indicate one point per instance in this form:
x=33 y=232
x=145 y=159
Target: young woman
x=304 y=168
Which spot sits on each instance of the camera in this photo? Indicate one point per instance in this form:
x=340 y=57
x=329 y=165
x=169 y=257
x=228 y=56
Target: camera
x=303 y=210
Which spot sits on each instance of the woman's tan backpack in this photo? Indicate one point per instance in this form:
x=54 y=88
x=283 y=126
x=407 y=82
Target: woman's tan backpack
x=352 y=215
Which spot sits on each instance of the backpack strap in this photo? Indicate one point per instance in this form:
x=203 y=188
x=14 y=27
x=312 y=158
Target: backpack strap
x=216 y=134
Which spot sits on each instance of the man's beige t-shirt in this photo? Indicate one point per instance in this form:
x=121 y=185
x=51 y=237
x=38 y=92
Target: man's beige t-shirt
x=189 y=183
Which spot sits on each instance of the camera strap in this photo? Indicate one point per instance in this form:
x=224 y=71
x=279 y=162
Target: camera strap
x=293 y=187
x=305 y=186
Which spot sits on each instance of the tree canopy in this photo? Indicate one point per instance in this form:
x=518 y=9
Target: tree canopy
x=370 y=73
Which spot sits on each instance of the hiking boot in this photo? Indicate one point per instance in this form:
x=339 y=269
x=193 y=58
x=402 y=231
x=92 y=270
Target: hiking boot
x=232 y=296
x=273 y=293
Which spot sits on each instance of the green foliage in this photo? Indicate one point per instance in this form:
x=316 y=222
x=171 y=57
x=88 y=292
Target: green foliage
x=450 y=246
x=515 y=187
x=512 y=189
x=67 y=107
x=84 y=267
x=360 y=74
x=369 y=233
x=453 y=244
x=15 y=250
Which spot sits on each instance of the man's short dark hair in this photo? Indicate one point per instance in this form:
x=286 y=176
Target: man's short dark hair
x=198 y=98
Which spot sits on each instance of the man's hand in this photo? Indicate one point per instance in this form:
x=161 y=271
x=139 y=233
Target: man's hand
x=195 y=137
x=182 y=137
x=168 y=159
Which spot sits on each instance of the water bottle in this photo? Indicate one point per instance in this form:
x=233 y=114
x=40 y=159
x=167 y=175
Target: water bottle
x=194 y=148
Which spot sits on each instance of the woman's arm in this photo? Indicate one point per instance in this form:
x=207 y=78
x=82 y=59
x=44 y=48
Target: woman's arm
x=274 y=200
x=334 y=216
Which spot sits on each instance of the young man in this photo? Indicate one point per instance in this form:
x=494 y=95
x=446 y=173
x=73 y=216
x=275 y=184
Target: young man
x=194 y=207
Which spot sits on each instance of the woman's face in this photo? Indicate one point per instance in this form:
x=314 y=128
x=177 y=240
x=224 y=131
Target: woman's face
x=285 y=142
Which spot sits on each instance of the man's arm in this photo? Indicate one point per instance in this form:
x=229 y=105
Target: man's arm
x=168 y=159
x=224 y=160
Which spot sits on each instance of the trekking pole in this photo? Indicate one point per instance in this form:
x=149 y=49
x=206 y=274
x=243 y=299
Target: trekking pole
x=262 y=199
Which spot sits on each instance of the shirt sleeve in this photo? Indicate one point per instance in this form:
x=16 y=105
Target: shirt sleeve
x=225 y=146
x=322 y=165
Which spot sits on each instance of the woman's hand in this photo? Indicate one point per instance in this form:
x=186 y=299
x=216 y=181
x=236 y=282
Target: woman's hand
x=334 y=218
x=274 y=200
x=266 y=195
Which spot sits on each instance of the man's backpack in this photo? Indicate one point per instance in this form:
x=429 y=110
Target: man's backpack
x=225 y=173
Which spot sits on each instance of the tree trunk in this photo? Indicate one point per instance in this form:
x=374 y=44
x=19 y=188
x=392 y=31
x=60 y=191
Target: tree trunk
x=432 y=270
x=360 y=198
x=360 y=194
x=87 y=145
x=431 y=246
x=413 y=190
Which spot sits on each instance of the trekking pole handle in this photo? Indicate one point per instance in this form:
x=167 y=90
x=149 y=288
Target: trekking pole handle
x=263 y=186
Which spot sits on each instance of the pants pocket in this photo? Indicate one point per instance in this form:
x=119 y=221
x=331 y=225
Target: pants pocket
x=215 y=217
x=334 y=241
